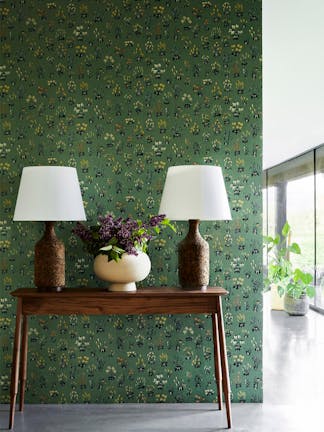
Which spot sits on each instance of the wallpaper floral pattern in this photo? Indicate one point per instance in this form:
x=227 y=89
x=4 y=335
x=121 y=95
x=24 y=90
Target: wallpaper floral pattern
x=122 y=90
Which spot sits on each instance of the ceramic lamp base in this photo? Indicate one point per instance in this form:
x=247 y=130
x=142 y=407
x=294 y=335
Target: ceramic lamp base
x=193 y=257
x=49 y=261
x=122 y=287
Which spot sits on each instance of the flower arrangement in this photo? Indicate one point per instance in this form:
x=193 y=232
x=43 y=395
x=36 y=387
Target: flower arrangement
x=115 y=236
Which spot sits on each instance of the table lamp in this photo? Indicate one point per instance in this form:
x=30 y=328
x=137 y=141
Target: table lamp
x=49 y=194
x=194 y=193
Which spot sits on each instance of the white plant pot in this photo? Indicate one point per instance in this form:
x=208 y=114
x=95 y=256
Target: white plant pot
x=296 y=307
x=277 y=302
x=123 y=274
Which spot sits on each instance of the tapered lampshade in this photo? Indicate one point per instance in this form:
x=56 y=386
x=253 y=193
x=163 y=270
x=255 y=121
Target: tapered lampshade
x=194 y=193
x=49 y=194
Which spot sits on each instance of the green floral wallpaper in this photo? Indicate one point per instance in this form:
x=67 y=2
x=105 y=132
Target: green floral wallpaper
x=122 y=90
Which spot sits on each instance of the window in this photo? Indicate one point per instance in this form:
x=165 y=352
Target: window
x=319 y=230
x=294 y=192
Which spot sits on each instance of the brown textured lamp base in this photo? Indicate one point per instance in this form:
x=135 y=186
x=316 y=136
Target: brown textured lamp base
x=193 y=259
x=49 y=261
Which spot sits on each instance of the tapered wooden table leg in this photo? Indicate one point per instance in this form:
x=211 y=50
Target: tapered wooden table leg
x=23 y=363
x=218 y=373
x=15 y=364
x=223 y=356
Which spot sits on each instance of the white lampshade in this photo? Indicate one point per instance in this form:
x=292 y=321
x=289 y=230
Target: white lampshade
x=195 y=192
x=49 y=193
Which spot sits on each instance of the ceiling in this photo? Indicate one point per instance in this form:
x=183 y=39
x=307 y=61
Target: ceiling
x=293 y=78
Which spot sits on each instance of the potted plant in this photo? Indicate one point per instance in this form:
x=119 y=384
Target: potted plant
x=119 y=248
x=293 y=283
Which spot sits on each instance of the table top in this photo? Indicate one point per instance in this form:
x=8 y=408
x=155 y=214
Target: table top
x=102 y=292
x=98 y=301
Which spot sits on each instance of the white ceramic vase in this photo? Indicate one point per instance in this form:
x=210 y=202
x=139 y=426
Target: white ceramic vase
x=123 y=274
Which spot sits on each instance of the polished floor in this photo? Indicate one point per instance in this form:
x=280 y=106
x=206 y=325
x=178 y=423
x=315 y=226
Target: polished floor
x=293 y=394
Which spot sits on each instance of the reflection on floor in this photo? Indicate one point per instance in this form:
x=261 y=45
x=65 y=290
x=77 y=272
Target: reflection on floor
x=293 y=394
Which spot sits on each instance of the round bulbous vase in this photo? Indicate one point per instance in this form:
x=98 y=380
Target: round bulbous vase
x=123 y=274
x=296 y=306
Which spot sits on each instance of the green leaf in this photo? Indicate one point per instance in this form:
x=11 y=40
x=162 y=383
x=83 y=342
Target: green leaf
x=310 y=291
x=282 y=253
x=113 y=241
x=106 y=248
x=281 y=290
x=294 y=248
x=114 y=256
x=285 y=229
x=306 y=278
x=268 y=239
x=118 y=250
x=167 y=223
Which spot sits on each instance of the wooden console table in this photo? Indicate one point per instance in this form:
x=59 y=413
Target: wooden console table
x=94 y=301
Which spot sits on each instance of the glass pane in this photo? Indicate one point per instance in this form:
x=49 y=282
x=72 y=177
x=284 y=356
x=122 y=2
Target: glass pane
x=265 y=226
x=269 y=218
x=292 y=199
x=300 y=215
x=272 y=207
x=296 y=193
x=319 y=182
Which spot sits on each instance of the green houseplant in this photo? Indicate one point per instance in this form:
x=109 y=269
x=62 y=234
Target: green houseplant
x=292 y=282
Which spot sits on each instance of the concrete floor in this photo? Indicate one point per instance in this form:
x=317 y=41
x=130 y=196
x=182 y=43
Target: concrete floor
x=293 y=394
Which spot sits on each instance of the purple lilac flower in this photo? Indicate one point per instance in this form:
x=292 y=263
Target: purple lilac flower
x=131 y=224
x=128 y=234
x=107 y=221
x=83 y=232
x=130 y=249
x=156 y=220
x=124 y=232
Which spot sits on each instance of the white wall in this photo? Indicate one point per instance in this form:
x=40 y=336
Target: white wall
x=293 y=78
